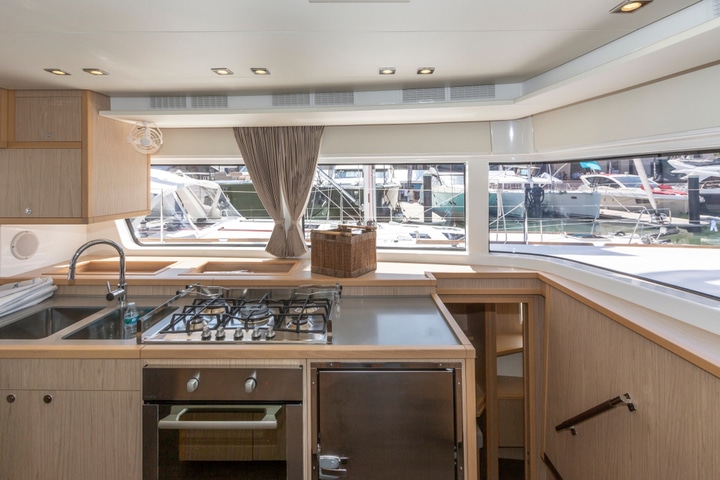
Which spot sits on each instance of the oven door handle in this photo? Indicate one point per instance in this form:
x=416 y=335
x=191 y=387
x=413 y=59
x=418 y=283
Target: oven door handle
x=174 y=422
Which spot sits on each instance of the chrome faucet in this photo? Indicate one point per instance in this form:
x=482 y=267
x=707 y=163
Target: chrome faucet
x=120 y=293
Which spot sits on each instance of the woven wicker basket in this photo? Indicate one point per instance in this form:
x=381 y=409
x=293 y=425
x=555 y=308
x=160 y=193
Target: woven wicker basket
x=347 y=251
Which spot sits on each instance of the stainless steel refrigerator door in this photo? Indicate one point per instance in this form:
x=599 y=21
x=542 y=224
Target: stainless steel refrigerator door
x=379 y=424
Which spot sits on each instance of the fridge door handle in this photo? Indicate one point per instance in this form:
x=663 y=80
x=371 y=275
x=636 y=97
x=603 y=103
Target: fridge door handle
x=330 y=467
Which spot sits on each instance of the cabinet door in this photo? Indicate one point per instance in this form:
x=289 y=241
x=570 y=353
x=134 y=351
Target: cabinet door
x=70 y=434
x=21 y=426
x=93 y=435
x=48 y=116
x=41 y=183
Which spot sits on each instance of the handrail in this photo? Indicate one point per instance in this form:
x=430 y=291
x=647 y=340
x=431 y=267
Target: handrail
x=596 y=410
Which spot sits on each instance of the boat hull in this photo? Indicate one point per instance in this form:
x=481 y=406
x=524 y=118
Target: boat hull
x=676 y=205
x=567 y=204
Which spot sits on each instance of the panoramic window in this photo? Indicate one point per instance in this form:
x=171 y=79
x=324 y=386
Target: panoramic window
x=659 y=200
x=412 y=205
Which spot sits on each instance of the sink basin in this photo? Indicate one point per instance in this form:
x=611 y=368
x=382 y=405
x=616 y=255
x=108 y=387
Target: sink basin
x=110 y=326
x=112 y=266
x=245 y=267
x=45 y=322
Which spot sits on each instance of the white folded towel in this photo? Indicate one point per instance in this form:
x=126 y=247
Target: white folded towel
x=19 y=295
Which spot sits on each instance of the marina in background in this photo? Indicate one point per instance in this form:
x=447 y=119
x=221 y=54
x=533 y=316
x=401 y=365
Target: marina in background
x=587 y=202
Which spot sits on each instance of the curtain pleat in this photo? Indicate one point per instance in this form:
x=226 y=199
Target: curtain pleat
x=281 y=162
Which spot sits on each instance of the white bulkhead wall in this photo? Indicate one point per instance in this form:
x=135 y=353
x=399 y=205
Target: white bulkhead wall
x=674 y=114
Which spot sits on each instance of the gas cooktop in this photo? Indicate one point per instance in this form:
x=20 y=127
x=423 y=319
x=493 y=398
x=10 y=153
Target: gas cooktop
x=219 y=315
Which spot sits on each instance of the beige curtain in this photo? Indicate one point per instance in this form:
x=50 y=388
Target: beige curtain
x=281 y=162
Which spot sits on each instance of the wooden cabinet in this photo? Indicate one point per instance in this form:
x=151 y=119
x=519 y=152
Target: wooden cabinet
x=46 y=116
x=55 y=176
x=3 y=118
x=65 y=163
x=505 y=374
x=67 y=418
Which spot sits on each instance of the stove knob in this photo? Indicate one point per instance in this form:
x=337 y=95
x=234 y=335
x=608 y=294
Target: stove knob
x=220 y=334
x=250 y=385
x=238 y=334
x=270 y=333
x=256 y=333
x=193 y=384
x=205 y=335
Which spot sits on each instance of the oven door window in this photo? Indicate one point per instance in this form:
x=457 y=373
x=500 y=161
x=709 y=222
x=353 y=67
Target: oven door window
x=219 y=441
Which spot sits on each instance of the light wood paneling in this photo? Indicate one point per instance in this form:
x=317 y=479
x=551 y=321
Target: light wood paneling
x=3 y=118
x=107 y=178
x=675 y=431
x=70 y=418
x=113 y=165
x=45 y=181
x=505 y=283
x=46 y=115
x=511 y=403
x=78 y=435
x=69 y=374
x=688 y=340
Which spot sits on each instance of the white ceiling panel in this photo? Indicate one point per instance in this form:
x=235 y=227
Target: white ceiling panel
x=167 y=47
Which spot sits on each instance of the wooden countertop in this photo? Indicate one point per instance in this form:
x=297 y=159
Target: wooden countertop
x=234 y=271
x=157 y=276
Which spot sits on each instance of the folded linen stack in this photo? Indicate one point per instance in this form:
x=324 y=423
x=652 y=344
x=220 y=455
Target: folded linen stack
x=19 y=295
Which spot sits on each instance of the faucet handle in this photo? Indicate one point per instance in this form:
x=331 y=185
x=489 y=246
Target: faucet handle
x=113 y=294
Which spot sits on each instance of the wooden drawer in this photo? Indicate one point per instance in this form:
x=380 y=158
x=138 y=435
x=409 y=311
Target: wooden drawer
x=70 y=374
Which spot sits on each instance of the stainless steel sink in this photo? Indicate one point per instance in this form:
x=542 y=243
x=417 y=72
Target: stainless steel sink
x=110 y=326
x=45 y=322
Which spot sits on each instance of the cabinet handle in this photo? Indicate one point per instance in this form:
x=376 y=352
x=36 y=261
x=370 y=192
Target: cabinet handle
x=47 y=399
x=10 y=398
x=28 y=211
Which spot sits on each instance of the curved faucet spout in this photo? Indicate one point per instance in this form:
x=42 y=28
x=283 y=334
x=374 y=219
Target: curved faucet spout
x=121 y=292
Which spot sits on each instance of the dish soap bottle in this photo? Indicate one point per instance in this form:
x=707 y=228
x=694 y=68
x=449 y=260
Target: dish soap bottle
x=130 y=320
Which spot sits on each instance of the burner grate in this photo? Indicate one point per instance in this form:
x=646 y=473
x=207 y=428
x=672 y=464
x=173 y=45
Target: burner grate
x=253 y=315
x=304 y=315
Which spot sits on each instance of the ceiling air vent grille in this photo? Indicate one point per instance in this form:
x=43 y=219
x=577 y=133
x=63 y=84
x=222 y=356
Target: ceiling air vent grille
x=209 y=102
x=472 y=92
x=716 y=8
x=423 y=95
x=168 y=103
x=329 y=99
x=291 y=100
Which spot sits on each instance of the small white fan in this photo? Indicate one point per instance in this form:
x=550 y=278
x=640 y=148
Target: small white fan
x=145 y=137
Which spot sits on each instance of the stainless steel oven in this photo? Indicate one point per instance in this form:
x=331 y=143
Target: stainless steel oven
x=219 y=422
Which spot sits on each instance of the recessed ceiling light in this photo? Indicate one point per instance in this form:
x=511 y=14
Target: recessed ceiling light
x=95 y=71
x=222 y=71
x=425 y=70
x=387 y=71
x=260 y=71
x=629 y=6
x=56 y=71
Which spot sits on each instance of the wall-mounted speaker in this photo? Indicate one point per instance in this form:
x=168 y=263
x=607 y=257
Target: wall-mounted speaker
x=24 y=245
